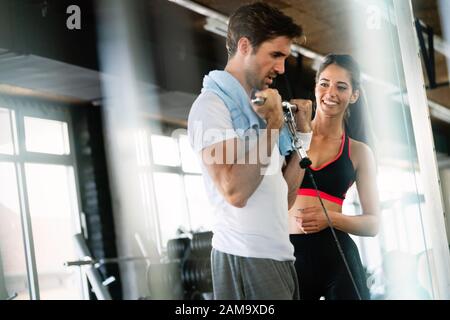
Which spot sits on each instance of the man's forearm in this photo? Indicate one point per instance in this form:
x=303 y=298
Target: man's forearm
x=293 y=175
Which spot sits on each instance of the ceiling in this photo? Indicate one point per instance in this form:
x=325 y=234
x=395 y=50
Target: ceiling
x=183 y=51
x=336 y=28
x=325 y=22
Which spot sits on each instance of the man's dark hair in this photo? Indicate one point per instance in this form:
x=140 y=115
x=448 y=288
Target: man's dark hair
x=259 y=22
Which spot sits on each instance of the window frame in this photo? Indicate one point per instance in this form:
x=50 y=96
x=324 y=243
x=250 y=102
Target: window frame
x=158 y=168
x=20 y=158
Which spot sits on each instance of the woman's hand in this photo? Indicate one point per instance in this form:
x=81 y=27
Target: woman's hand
x=312 y=219
x=303 y=114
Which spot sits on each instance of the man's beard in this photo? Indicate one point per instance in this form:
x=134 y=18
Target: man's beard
x=253 y=81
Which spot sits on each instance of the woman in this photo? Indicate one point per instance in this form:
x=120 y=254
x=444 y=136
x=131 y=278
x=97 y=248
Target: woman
x=337 y=162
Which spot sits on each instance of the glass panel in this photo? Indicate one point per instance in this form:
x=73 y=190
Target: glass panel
x=165 y=151
x=189 y=161
x=13 y=272
x=400 y=204
x=6 y=139
x=374 y=38
x=404 y=242
x=46 y=136
x=200 y=210
x=53 y=209
x=171 y=202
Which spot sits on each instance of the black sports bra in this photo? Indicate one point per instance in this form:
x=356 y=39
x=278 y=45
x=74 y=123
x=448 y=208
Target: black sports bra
x=334 y=178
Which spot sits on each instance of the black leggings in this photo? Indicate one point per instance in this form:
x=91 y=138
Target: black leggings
x=321 y=270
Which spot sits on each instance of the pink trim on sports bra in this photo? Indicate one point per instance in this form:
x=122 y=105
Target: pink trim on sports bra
x=335 y=159
x=323 y=195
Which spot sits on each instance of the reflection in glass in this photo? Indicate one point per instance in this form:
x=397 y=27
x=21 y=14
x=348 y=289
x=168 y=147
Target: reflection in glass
x=53 y=208
x=403 y=240
x=402 y=269
x=46 y=136
x=12 y=253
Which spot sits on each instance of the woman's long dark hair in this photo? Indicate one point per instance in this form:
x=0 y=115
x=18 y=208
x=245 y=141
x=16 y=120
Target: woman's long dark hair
x=357 y=122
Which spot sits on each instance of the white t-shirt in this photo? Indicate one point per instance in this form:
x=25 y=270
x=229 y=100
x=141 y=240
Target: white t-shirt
x=260 y=229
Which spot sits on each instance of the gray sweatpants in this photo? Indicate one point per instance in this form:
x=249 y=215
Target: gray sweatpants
x=240 y=278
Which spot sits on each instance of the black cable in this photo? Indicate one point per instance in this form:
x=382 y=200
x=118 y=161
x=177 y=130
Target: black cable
x=305 y=163
x=341 y=252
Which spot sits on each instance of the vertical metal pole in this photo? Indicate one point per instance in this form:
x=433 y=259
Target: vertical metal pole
x=25 y=215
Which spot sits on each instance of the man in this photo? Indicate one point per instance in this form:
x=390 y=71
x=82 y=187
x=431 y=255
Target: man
x=250 y=184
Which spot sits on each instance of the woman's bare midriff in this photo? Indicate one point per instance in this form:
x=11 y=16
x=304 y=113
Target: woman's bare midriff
x=305 y=202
